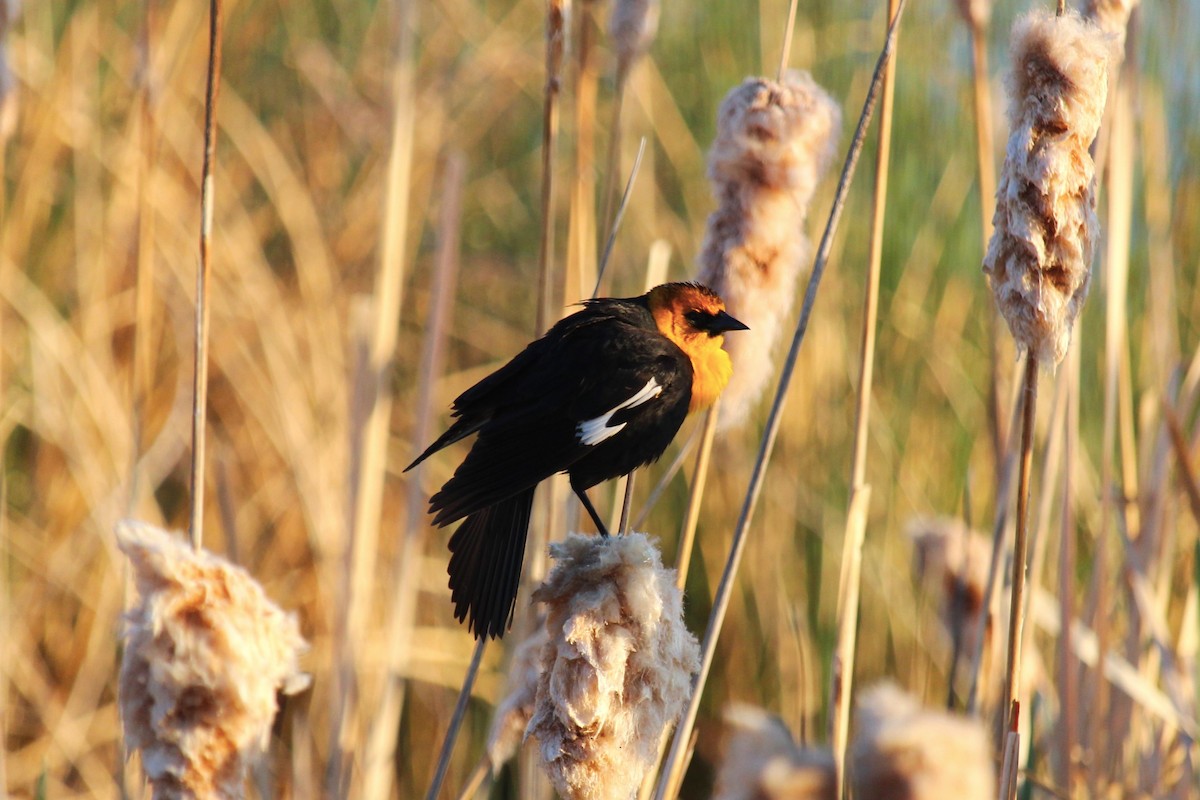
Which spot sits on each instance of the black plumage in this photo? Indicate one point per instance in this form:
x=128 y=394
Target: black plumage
x=602 y=393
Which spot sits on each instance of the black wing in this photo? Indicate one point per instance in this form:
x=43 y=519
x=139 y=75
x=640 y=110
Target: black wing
x=529 y=413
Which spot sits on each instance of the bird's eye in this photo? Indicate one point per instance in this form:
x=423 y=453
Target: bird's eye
x=698 y=319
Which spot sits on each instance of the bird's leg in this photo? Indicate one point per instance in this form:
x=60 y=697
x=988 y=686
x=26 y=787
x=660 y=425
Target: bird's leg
x=581 y=493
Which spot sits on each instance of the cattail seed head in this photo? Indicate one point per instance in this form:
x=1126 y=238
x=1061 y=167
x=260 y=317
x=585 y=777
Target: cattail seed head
x=762 y=762
x=632 y=26
x=774 y=143
x=205 y=652
x=1039 y=257
x=904 y=752
x=952 y=562
x=617 y=668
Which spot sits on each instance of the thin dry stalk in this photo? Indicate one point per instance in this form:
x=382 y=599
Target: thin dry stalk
x=632 y=26
x=977 y=14
x=672 y=772
x=367 y=475
x=691 y=516
x=555 y=38
x=785 y=52
x=1016 y=616
x=203 y=313
x=142 y=378
x=460 y=712
x=842 y=672
x=1068 y=689
x=999 y=535
x=378 y=768
x=581 y=245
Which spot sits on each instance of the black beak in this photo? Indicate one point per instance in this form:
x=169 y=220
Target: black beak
x=722 y=322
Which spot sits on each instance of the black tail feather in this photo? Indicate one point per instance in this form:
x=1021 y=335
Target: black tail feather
x=486 y=553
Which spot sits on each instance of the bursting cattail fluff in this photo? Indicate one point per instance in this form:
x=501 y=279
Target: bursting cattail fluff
x=774 y=143
x=905 y=752
x=617 y=668
x=205 y=652
x=1039 y=257
x=762 y=762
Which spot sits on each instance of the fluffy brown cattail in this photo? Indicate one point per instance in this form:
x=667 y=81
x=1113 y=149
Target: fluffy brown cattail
x=774 y=143
x=513 y=713
x=904 y=752
x=617 y=667
x=632 y=27
x=762 y=762
x=205 y=652
x=1040 y=254
x=952 y=562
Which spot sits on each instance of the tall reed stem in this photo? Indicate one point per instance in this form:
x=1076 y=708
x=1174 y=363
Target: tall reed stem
x=200 y=345
x=842 y=671
x=460 y=711
x=673 y=769
x=1016 y=616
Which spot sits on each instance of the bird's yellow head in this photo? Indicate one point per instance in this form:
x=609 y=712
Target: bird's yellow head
x=693 y=317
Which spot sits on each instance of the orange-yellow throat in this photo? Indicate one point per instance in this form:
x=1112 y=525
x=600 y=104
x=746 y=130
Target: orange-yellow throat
x=711 y=367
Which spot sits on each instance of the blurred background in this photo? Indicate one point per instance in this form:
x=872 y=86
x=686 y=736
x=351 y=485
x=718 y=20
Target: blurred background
x=364 y=150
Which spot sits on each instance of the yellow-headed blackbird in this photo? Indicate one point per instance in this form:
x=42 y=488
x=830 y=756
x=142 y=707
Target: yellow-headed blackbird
x=602 y=393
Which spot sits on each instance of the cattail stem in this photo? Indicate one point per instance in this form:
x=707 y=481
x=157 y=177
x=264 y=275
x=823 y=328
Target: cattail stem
x=555 y=37
x=842 y=673
x=673 y=769
x=141 y=379
x=460 y=712
x=378 y=772
x=691 y=516
x=1067 y=683
x=785 y=52
x=200 y=345
x=614 y=147
x=621 y=209
x=1016 y=616
x=999 y=528
x=986 y=169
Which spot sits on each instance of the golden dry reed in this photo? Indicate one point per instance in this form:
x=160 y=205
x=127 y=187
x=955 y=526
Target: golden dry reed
x=774 y=143
x=762 y=762
x=1039 y=257
x=904 y=752
x=617 y=668
x=632 y=26
x=205 y=652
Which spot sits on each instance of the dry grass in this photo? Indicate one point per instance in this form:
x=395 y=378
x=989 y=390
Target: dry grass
x=305 y=124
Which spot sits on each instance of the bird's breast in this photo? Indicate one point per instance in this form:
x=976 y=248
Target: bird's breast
x=711 y=370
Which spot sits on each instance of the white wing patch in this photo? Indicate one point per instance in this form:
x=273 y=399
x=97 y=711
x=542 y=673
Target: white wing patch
x=595 y=431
